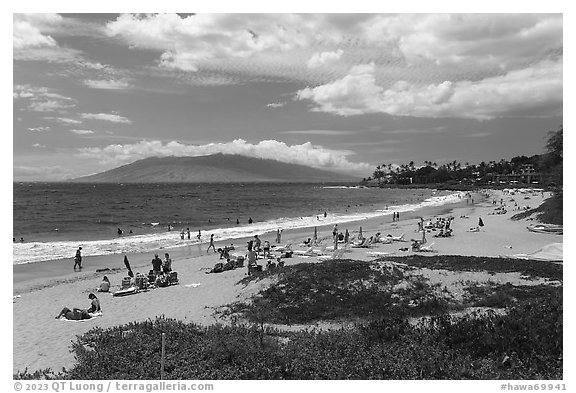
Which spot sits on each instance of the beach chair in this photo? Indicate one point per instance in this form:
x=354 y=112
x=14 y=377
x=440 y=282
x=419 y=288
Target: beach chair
x=427 y=248
x=337 y=254
x=361 y=244
x=397 y=238
x=286 y=247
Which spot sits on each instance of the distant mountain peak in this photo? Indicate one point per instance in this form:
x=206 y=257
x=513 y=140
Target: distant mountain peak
x=215 y=168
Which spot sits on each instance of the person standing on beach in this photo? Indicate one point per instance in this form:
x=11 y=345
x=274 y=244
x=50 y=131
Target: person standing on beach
x=334 y=231
x=156 y=264
x=211 y=243
x=167 y=264
x=278 y=235
x=199 y=235
x=250 y=220
x=188 y=233
x=78 y=259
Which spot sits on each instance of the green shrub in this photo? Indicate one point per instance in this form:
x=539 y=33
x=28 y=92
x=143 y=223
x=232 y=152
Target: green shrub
x=526 y=343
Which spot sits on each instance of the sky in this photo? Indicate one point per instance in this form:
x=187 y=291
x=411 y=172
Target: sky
x=342 y=92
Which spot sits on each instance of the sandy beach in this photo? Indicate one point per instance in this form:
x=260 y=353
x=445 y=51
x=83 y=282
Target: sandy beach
x=42 y=289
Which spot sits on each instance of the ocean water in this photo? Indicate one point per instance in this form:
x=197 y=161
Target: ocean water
x=55 y=218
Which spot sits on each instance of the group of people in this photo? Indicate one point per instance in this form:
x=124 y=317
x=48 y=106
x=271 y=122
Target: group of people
x=395 y=216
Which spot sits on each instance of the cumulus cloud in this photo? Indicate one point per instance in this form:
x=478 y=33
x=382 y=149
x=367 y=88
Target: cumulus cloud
x=355 y=94
x=27 y=30
x=499 y=40
x=534 y=91
x=82 y=132
x=319 y=59
x=187 y=42
x=304 y=154
x=111 y=117
x=107 y=84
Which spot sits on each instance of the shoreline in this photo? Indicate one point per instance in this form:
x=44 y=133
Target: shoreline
x=40 y=341
x=60 y=268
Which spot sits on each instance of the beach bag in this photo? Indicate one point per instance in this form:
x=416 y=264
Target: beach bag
x=173 y=278
x=162 y=281
x=126 y=282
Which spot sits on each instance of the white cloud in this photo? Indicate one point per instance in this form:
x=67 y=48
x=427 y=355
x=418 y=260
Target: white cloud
x=27 y=30
x=495 y=40
x=82 y=132
x=42 y=99
x=304 y=154
x=64 y=120
x=320 y=59
x=188 y=42
x=49 y=106
x=276 y=105
x=107 y=84
x=355 y=94
x=39 y=129
x=111 y=117
x=534 y=91
x=38 y=145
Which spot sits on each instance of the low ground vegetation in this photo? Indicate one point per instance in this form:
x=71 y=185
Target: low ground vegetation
x=523 y=342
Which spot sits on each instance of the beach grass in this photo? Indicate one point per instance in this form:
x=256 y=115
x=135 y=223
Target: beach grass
x=525 y=343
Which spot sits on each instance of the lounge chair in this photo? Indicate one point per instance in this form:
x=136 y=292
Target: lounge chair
x=287 y=247
x=427 y=248
x=397 y=238
x=337 y=254
x=361 y=244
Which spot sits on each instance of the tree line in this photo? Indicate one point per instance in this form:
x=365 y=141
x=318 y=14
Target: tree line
x=548 y=165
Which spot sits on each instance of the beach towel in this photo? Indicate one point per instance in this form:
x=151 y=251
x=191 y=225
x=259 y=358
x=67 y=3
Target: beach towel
x=192 y=285
x=93 y=315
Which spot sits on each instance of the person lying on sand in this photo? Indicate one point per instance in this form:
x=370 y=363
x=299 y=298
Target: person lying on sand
x=74 y=315
x=77 y=314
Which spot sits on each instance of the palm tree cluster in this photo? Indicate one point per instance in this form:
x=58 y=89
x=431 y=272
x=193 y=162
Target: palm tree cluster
x=548 y=164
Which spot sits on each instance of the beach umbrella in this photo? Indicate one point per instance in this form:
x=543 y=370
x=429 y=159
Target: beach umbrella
x=423 y=236
x=480 y=222
x=315 y=234
x=346 y=236
x=360 y=234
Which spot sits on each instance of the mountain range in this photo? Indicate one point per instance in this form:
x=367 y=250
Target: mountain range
x=217 y=168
